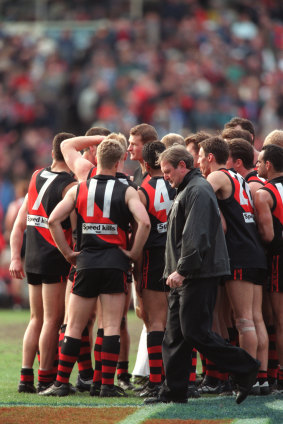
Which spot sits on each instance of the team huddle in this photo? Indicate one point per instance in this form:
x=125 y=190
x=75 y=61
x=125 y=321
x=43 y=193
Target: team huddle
x=198 y=231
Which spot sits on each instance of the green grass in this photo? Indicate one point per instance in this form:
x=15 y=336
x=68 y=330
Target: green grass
x=255 y=410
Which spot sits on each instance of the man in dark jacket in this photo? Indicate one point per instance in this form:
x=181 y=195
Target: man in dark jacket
x=196 y=259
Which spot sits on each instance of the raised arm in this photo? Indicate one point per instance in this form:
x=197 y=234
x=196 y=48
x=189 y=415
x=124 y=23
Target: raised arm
x=58 y=215
x=16 y=241
x=71 y=151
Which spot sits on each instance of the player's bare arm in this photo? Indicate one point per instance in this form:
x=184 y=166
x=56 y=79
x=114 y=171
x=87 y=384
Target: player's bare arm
x=143 y=223
x=16 y=240
x=71 y=151
x=263 y=204
x=221 y=184
x=254 y=187
x=58 y=215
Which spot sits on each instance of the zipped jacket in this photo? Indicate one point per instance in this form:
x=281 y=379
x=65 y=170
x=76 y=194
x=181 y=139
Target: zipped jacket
x=195 y=245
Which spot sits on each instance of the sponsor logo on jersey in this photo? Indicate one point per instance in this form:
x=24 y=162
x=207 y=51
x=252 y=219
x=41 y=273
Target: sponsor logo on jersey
x=88 y=228
x=162 y=227
x=37 y=221
x=248 y=217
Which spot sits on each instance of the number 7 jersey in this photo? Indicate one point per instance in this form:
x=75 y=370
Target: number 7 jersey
x=44 y=193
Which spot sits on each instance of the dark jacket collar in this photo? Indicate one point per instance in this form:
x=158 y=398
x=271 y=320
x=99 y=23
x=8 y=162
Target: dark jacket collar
x=191 y=174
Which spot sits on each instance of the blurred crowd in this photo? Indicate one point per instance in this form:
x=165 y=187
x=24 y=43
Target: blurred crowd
x=184 y=65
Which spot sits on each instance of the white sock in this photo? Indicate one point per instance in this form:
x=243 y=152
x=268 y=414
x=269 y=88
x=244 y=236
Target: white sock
x=142 y=364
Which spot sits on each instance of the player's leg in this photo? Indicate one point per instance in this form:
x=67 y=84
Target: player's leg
x=31 y=337
x=240 y=294
x=155 y=305
x=277 y=305
x=123 y=375
x=262 y=349
x=53 y=295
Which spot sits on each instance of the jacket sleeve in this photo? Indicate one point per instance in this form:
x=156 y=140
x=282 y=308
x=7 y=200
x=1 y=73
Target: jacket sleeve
x=201 y=222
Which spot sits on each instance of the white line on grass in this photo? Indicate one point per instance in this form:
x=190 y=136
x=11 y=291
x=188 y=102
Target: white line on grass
x=252 y=421
x=144 y=413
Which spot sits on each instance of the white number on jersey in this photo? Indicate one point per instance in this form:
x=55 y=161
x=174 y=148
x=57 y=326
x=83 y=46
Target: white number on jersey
x=107 y=197
x=244 y=186
x=161 y=190
x=49 y=178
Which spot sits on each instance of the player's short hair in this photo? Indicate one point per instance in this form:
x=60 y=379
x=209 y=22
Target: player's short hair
x=273 y=154
x=172 y=138
x=275 y=137
x=196 y=139
x=244 y=123
x=108 y=153
x=175 y=154
x=242 y=149
x=151 y=152
x=231 y=133
x=147 y=132
x=218 y=147
x=98 y=131
x=120 y=138
x=56 y=145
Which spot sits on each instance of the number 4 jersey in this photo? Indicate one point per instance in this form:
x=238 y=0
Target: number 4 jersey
x=242 y=238
x=159 y=197
x=102 y=223
x=44 y=193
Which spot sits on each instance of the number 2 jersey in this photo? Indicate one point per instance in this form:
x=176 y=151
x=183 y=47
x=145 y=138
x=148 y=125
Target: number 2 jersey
x=242 y=238
x=44 y=193
x=159 y=197
x=102 y=223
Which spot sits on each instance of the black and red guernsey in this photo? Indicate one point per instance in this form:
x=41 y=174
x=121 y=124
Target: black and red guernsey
x=159 y=197
x=44 y=193
x=242 y=238
x=102 y=223
x=275 y=188
x=253 y=177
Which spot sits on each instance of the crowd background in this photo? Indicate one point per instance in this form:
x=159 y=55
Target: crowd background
x=179 y=65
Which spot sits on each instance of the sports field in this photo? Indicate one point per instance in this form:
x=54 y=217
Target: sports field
x=80 y=408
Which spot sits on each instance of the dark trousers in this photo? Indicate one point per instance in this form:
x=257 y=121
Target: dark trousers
x=189 y=323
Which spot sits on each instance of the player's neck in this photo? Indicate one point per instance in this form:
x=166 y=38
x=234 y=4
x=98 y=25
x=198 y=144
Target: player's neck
x=105 y=171
x=273 y=175
x=142 y=164
x=155 y=173
x=214 y=166
x=59 y=166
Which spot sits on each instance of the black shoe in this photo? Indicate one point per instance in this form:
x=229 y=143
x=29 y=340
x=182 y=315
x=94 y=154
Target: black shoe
x=140 y=380
x=163 y=399
x=95 y=389
x=206 y=389
x=62 y=390
x=139 y=389
x=255 y=390
x=193 y=392
x=279 y=387
x=83 y=385
x=225 y=388
x=264 y=389
x=245 y=383
x=112 y=391
x=151 y=390
x=43 y=386
x=123 y=381
x=26 y=387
